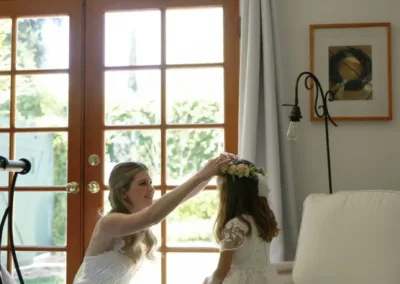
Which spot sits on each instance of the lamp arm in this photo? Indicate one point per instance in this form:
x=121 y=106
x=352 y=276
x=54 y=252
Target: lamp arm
x=310 y=81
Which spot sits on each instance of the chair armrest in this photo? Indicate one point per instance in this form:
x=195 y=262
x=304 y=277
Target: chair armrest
x=284 y=267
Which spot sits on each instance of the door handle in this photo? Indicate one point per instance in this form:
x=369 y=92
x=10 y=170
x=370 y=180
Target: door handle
x=72 y=187
x=93 y=187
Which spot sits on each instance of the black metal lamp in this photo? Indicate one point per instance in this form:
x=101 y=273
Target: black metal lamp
x=295 y=115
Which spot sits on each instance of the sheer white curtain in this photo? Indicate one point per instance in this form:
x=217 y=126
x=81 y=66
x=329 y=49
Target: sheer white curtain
x=262 y=121
x=5 y=276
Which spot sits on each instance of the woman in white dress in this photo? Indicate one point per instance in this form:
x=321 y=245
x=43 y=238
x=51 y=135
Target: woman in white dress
x=244 y=227
x=122 y=238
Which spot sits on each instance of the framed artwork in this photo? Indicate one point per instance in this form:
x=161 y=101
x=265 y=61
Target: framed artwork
x=354 y=62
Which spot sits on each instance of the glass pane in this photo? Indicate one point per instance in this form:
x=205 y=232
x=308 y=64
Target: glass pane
x=195 y=95
x=199 y=40
x=42 y=100
x=185 y=268
x=43 y=43
x=48 y=154
x=133 y=38
x=191 y=224
x=3 y=206
x=133 y=145
x=5 y=44
x=5 y=150
x=156 y=229
x=42 y=267
x=188 y=150
x=40 y=218
x=4 y=259
x=5 y=85
x=133 y=97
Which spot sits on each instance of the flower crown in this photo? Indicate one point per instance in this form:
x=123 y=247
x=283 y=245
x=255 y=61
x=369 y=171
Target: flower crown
x=242 y=170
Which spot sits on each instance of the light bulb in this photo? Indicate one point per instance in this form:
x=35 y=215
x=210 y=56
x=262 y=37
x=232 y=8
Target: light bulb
x=292 y=130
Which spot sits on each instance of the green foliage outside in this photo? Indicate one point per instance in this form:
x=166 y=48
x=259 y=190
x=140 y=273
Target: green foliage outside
x=46 y=280
x=187 y=151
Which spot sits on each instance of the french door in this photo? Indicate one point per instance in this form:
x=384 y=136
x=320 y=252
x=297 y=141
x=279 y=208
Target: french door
x=40 y=120
x=85 y=85
x=161 y=88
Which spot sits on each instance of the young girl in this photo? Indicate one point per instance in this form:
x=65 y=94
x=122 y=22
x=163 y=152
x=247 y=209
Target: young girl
x=244 y=227
x=122 y=238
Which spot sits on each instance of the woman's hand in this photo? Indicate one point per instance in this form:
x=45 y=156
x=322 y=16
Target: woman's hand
x=230 y=155
x=213 y=167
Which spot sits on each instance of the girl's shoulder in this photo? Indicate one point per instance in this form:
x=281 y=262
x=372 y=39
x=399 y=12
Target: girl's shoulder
x=241 y=222
x=242 y=218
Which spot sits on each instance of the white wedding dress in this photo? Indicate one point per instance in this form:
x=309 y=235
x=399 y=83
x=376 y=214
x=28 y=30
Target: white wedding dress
x=250 y=263
x=110 y=267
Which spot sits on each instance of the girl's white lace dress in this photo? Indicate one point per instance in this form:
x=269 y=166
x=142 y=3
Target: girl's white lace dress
x=251 y=264
x=110 y=267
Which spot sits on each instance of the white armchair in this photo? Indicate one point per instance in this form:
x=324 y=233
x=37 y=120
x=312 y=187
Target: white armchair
x=349 y=237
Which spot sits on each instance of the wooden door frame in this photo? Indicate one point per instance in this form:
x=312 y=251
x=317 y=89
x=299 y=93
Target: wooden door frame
x=73 y=8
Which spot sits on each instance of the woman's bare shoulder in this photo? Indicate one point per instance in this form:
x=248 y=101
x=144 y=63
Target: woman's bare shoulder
x=99 y=241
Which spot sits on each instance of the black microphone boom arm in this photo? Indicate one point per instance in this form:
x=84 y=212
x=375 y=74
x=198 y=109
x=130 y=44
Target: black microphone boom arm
x=22 y=166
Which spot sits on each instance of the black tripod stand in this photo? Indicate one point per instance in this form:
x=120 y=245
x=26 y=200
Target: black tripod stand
x=22 y=167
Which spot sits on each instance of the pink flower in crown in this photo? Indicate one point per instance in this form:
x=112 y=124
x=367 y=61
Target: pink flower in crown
x=242 y=170
x=231 y=169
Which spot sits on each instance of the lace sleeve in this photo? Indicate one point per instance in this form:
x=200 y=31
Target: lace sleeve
x=233 y=235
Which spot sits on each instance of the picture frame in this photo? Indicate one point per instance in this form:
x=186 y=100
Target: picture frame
x=354 y=62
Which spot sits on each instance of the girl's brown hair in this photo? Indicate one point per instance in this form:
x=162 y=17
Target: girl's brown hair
x=238 y=197
x=144 y=242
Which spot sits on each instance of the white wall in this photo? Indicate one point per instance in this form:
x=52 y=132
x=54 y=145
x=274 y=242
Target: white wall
x=365 y=155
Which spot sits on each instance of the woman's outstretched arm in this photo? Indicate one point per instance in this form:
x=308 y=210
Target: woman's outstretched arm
x=200 y=187
x=119 y=225
x=196 y=191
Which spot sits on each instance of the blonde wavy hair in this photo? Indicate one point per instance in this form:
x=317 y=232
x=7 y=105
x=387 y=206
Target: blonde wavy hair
x=144 y=242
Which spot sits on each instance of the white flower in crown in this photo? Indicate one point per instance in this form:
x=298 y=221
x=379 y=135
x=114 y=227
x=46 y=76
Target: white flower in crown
x=242 y=170
x=231 y=169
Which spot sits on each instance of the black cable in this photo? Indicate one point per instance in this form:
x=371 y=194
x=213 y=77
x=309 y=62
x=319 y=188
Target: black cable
x=10 y=228
x=3 y=221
